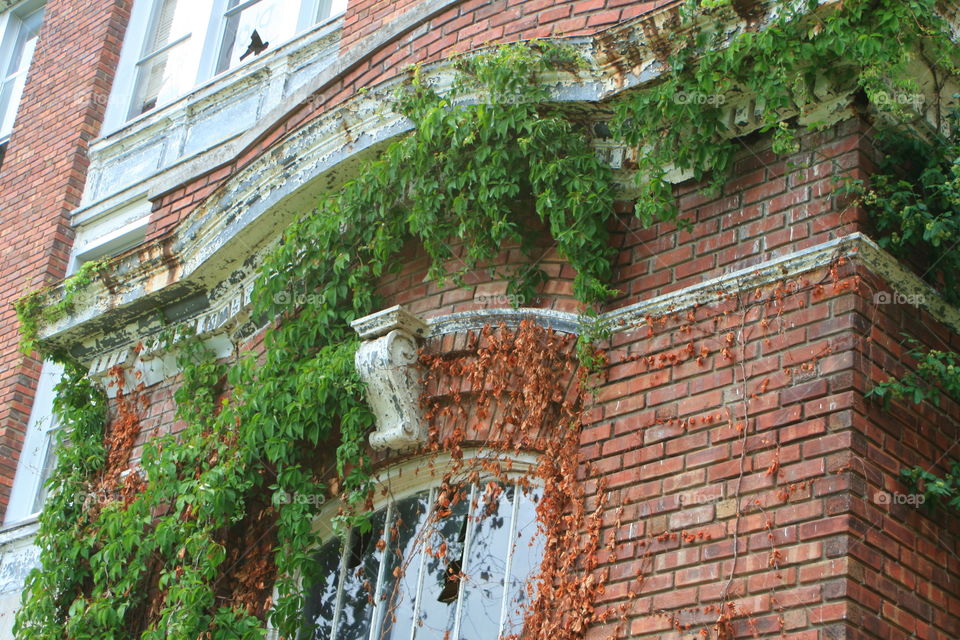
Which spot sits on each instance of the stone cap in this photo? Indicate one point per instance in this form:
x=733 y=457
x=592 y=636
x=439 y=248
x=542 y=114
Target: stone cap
x=383 y=322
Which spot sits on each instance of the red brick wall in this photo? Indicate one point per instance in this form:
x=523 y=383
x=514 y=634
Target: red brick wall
x=476 y=22
x=763 y=390
x=771 y=381
x=908 y=560
x=42 y=179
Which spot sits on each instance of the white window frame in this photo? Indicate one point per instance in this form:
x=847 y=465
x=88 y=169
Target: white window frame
x=141 y=18
x=306 y=19
x=10 y=24
x=37 y=446
x=414 y=477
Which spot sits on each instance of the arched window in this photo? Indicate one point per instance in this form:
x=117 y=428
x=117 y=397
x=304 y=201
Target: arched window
x=451 y=562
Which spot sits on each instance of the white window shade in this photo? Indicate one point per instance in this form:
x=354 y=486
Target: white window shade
x=171 y=53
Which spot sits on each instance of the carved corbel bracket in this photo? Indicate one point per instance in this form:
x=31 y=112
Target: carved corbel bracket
x=387 y=363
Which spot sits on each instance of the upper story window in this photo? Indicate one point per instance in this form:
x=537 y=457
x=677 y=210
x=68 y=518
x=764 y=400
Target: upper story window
x=170 y=48
x=433 y=566
x=173 y=45
x=19 y=39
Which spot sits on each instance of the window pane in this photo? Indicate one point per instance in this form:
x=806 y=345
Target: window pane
x=323 y=595
x=275 y=22
x=362 y=567
x=488 y=546
x=525 y=560
x=10 y=92
x=26 y=43
x=21 y=54
x=406 y=557
x=171 y=53
x=161 y=79
x=49 y=462
x=329 y=8
x=486 y=566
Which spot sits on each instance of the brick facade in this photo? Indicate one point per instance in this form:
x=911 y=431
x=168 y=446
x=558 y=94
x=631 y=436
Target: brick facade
x=42 y=179
x=732 y=439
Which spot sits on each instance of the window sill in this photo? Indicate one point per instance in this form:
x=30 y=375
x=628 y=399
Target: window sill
x=13 y=531
x=196 y=126
x=220 y=82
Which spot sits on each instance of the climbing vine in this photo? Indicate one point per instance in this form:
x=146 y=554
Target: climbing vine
x=776 y=74
x=485 y=158
x=914 y=200
x=936 y=373
x=175 y=546
x=32 y=309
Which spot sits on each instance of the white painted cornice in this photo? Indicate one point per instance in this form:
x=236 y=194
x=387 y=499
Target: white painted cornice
x=227 y=231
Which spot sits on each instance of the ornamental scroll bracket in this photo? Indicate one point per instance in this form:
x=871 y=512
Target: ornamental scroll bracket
x=387 y=361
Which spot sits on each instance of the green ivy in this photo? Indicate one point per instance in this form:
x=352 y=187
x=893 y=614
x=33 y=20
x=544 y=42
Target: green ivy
x=914 y=201
x=34 y=308
x=937 y=373
x=680 y=123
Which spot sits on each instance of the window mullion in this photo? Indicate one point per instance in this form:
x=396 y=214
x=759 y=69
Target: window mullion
x=512 y=540
x=164 y=49
x=465 y=565
x=338 y=606
x=240 y=7
x=376 y=622
x=431 y=501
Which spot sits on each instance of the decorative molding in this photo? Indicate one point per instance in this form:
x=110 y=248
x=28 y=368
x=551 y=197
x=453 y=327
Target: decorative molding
x=511 y=318
x=227 y=323
x=383 y=322
x=387 y=361
x=906 y=285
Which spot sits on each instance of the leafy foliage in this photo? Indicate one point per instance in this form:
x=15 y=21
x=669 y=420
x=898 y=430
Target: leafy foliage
x=681 y=122
x=937 y=492
x=145 y=555
x=914 y=201
x=936 y=373
x=32 y=309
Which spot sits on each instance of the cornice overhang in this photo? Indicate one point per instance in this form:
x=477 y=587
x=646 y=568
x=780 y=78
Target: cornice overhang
x=209 y=260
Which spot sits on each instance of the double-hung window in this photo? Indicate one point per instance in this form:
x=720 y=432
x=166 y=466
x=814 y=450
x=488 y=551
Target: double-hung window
x=171 y=49
x=435 y=564
x=178 y=44
x=17 y=42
